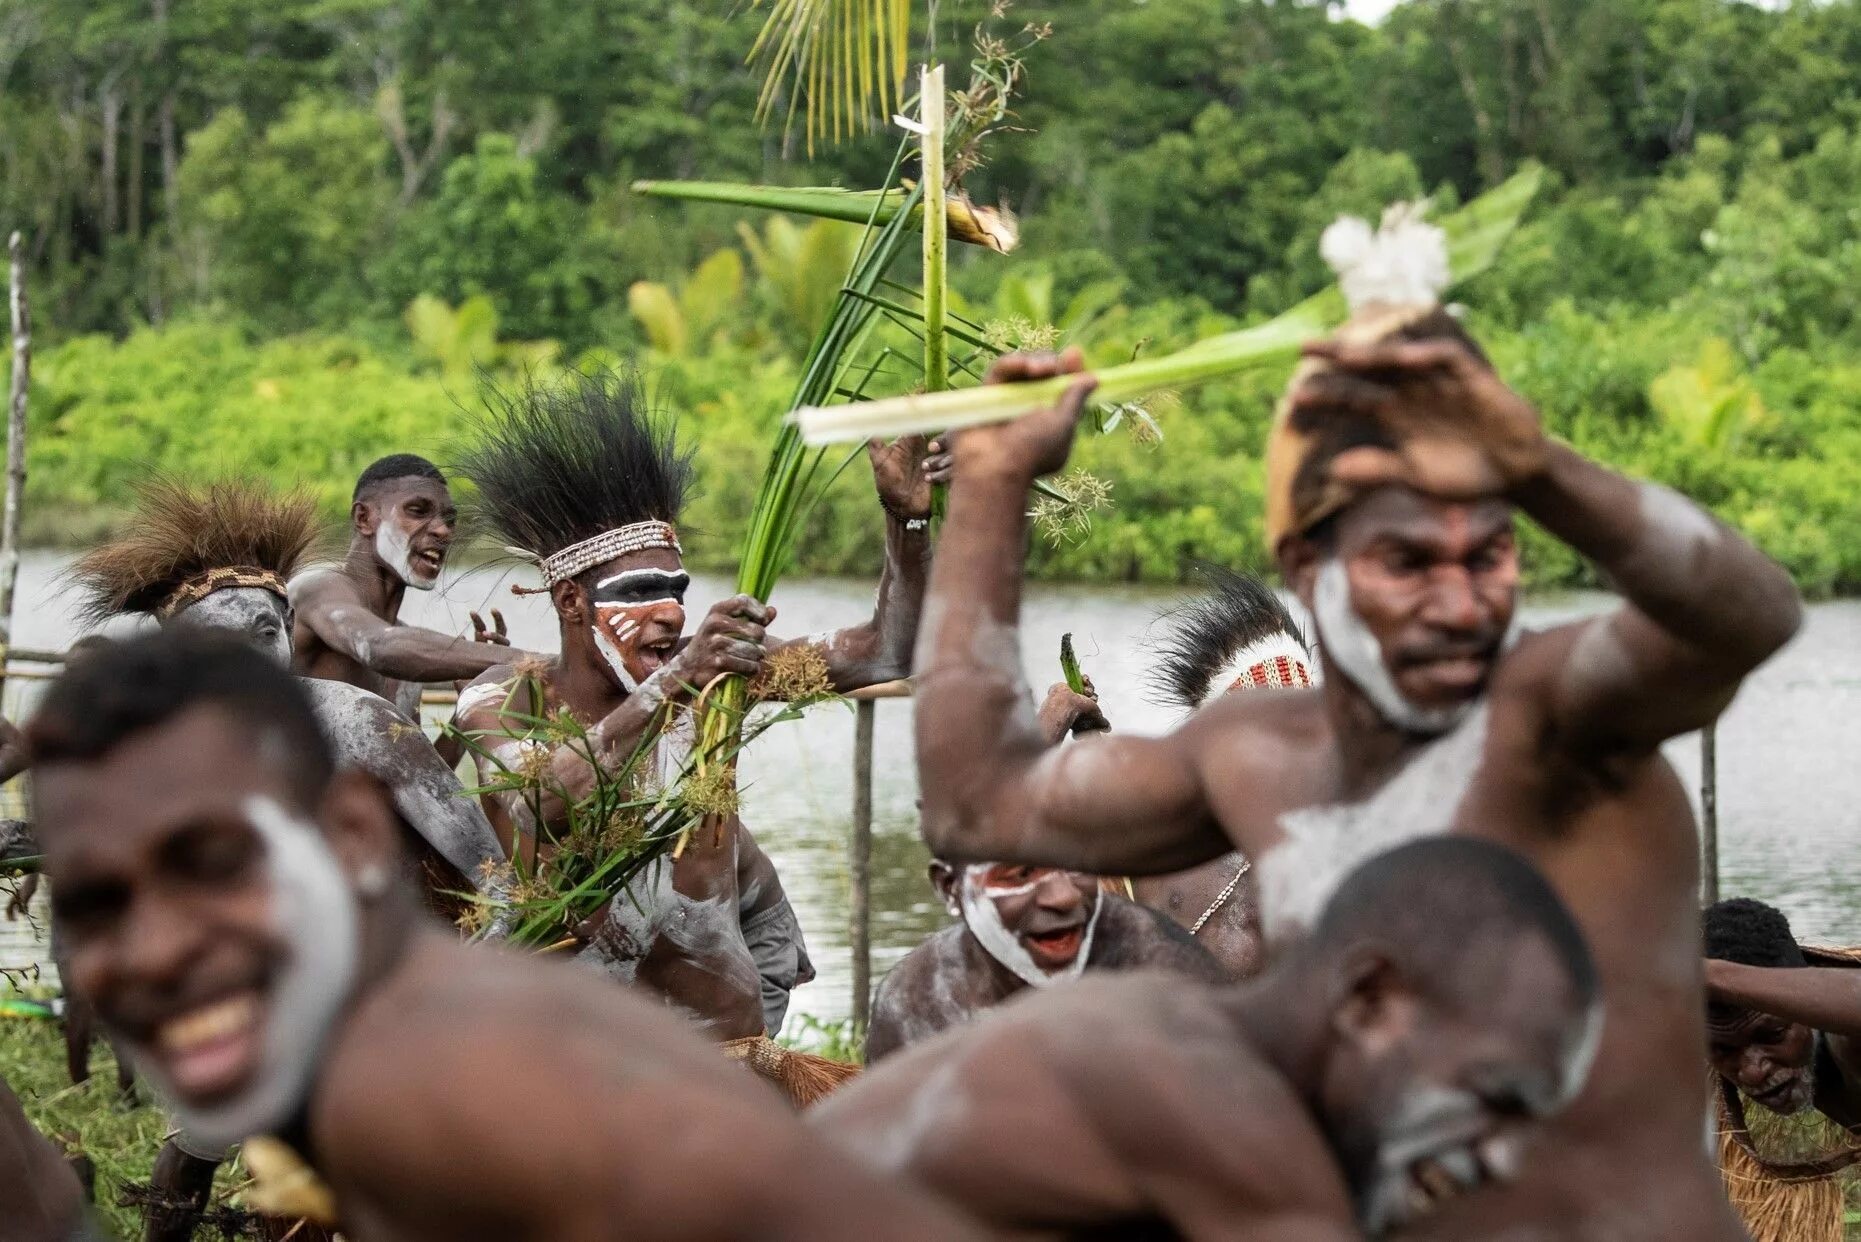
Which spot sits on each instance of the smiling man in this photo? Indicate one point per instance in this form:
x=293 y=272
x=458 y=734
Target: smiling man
x=1395 y=473
x=582 y=476
x=234 y=907
x=1400 y=1056
x=348 y=628
x=1019 y=928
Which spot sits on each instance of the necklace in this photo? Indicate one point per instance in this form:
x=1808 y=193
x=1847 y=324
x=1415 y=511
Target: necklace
x=1221 y=898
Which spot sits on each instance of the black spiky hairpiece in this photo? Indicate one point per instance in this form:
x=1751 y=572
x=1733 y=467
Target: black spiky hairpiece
x=1202 y=635
x=556 y=464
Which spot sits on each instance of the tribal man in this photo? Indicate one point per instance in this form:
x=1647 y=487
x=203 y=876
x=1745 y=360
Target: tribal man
x=219 y=557
x=585 y=479
x=1019 y=928
x=237 y=909
x=348 y=625
x=1394 y=471
x=1395 y=1059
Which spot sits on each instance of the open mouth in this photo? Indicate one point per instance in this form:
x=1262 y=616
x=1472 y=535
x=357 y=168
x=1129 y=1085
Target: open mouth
x=427 y=563
x=1055 y=950
x=654 y=657
x=1450 y=1172
x=211 y=1050
x=1779 y=1097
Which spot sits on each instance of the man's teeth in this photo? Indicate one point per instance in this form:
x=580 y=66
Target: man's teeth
x=208 y=1023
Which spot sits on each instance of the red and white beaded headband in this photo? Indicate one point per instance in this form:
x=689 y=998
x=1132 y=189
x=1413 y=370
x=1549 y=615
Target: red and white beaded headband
x=579 y=558
x=1277 y=662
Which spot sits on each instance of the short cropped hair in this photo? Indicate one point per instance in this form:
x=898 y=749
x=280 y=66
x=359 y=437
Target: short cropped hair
x=396 y=466
x=1438 y=901
x=126 y=688
x=1746 y=931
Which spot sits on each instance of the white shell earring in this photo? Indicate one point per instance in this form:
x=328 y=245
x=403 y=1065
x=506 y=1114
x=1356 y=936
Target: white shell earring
x=372 y=881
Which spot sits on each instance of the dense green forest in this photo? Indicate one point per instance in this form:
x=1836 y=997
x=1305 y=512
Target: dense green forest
x=286 y=235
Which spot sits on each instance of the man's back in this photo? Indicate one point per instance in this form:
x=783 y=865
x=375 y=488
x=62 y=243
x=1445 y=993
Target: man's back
x=477 y=1094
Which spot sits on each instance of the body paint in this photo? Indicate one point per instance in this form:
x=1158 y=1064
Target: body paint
x=985 y=924
x=1353 y=651
x=316 y=916
x=245 y=611
x=391 y=545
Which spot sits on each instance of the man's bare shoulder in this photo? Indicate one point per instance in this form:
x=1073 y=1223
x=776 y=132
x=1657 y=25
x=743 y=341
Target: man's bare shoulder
x=321 y=584
x=1131 y=936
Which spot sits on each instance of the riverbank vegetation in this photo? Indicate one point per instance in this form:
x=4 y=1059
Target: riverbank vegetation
x=282 y=236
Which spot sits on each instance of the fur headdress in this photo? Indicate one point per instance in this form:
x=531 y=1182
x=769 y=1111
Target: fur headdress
x=577 y=469
x=1237 y=635
x=184 y=543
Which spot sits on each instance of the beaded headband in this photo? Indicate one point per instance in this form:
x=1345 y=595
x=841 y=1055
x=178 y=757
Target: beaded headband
x=1276 y=662
x=199 y=587
x=579 y=558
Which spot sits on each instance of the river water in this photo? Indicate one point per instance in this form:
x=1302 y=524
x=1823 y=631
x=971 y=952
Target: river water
x=1789 y=753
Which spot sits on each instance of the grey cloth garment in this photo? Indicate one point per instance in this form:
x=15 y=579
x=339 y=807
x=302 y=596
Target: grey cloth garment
x=781 y=957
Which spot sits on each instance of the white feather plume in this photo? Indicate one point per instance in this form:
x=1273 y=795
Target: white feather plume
x=1402 y=263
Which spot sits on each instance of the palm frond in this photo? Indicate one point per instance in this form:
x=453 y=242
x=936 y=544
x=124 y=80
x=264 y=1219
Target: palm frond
x=842 y=61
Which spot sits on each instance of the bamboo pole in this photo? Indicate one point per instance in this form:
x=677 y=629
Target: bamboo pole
x=1709 y=811
x=859 y=863
x=930 y=113
x=15 y=445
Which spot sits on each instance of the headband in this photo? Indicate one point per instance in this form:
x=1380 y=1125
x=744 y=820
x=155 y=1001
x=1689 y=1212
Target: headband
x=1276 y=662
x=579 y=558
x=200 y=586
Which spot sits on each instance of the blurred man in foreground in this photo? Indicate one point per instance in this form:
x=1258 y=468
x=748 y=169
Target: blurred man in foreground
x=235 y=909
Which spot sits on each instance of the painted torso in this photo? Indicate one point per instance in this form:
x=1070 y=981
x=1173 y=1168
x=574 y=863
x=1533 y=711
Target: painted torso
x=1619 y=845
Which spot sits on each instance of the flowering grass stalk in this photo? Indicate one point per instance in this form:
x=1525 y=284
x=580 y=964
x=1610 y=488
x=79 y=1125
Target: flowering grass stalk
x=1475 y=234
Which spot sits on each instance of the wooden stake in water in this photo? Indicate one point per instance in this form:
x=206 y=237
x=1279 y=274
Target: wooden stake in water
x=15 y=446
x=1709 y=811
x=859 y=863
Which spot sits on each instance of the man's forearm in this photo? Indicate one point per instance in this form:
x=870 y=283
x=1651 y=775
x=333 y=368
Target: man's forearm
x=881 y=649
x=1828 y=999
x=413 y=653
x=1695 y=577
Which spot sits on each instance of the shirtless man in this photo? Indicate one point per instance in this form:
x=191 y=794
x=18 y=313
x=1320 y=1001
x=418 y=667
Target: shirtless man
x=583 y=477
x=1019 y=928
x=1395 y=1059
x=1394 y=474
x=218 y=557
x=348 y=625
x=1782 y=1031
x=236 y=909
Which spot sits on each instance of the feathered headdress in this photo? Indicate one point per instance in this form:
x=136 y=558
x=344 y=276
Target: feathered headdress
x=1238 y=635
x=578 y=473
x=1392 y=278
x=185 y=542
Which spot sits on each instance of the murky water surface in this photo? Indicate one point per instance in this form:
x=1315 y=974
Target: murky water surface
x=1789 y=754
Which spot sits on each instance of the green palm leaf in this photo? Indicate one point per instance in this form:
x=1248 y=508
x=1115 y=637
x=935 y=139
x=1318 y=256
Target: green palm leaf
x=844 y=60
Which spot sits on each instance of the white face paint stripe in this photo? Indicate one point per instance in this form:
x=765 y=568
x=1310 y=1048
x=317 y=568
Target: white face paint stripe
x=391 y=545
x=1353 y=651
x=975 y=873
x=616 y=661
x=985 y=924
x=635 y=575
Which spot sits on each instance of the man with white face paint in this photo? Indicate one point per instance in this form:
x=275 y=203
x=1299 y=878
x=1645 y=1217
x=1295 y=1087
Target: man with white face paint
x=217 y=557
x=1398 y=1058
x=585 y=479
x=1019 y=928
x=1394 y=472
x=234 y=907
x=348 y=625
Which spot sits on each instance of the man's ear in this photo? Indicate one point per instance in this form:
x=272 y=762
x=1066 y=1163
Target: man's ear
x=943 y=878
x=571 y=602
x=360 y=822
x=1373 y=1005
x=362 y=517
x=1299 y=559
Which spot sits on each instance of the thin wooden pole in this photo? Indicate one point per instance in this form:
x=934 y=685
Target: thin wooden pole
x=930 y=112
x=859 y=863
x=1709 y=810
x=15 y=445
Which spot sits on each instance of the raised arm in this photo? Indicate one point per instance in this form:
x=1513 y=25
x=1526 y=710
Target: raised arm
x=330 y=606
x=1702 y=606
x=994 y=789
x=879 y=649
x=1826 y=998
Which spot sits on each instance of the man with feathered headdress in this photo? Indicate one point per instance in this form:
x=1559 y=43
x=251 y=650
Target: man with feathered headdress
x=1395 y=469
x=220 y=556
x=584 y=479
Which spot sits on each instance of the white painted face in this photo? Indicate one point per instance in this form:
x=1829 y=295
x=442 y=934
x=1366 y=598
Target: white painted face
x=253 y=614
x=392 y=546
x=639 y=616
x=1352 y=650
x=316 y=915
x=978 y=899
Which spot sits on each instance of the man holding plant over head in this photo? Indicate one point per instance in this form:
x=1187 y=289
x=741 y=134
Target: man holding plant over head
x=1395 y=470
x=582 y=477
